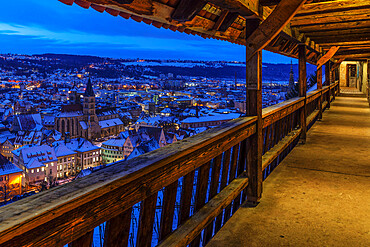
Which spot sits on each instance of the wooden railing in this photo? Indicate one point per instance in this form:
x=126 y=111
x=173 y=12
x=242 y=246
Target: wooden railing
x=200 y=181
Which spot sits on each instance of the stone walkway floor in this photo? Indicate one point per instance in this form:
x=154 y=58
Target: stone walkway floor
x=320 y=194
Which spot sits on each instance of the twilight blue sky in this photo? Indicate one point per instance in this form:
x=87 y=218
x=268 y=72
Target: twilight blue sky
x=49 y=26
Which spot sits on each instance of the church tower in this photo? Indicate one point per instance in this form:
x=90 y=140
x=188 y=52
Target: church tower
x=89 y=115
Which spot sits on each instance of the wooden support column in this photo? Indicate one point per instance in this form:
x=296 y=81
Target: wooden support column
x=302 y=89
x=327 y=82
x=254 y=108
x=319 y=86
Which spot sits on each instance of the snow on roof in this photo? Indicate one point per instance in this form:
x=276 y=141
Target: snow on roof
x=78 y=145
x=63 y=150
x=41 y=153
x=34 y=163
x=83 y=125
x=115 y=142
x=166 y=110
x=110 y=122
x=211 y=118
x=144 y=147
x=70 y=114
x=7 y=167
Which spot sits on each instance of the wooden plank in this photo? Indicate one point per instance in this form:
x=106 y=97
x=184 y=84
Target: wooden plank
x=215 y=177
x=186 y=194
x=233 y=165
x=146 y=221
x=302 y=89
x=113 y=189
x=327 y=56
x=333 y=6
x=229 y=19
x=84 y=241
x=117 y=230
x=194 y=226
x=201 y=193
x=276 y=112
x=244 y=8
x=273 y=25
x=319 y=87
x=220 y=19
x=337 y=17
x=187 y=9
x=254 y=108
x=225 y=172
x=168 y=209
x=274 y=152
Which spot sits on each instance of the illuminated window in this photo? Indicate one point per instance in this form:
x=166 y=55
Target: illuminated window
x=37 y=170
x=31 y=170
x=42 y=169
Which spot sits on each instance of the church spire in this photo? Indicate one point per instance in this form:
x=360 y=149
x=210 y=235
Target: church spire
x=89 y=90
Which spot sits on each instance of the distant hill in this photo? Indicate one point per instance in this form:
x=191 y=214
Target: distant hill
x=113 y=68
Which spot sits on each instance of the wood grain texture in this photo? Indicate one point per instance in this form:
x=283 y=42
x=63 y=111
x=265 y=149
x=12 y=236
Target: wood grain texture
x=168 y=209
x=113 y=189
x=186 y=194
x=83 y=241
x=273 y=24
x=146 y=221
x=117 y=230
x=193 y=227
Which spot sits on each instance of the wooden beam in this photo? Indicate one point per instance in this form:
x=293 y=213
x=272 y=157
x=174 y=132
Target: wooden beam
x=302 y=82
x=254 y=108
x=269 y=2
x=220 y=19
x=363 y=55
x=244 y=8
x=187 y=9
x=327 y=56
x=334 y=26
x=333 y=6
x=229 y=19
x=273 y=24
x=337 y=17
x=319 y=86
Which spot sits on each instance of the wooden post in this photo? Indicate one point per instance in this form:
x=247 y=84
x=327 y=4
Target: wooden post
x=254 y=108
x=302 y=89
x=328 y=82
x=319 y=86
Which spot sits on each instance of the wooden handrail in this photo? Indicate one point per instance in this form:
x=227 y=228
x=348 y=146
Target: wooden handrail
x=92 y=200
x=65 y=213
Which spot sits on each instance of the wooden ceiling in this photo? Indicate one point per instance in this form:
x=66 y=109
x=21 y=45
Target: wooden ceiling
x=319 y=25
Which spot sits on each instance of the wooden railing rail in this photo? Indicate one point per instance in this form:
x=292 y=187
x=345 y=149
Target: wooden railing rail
x=206 y=169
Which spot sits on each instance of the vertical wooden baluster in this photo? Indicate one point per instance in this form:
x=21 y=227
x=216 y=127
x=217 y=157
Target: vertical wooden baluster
x=272 y=137
x=117 y=230
x=83 y=241
x=243 y=154
x=186 y=194
x=268 y=139
x=146 y=221
x=233 y=165
x=168 y=210
x=302 y=89
x=215 y=177
x=225 y=173
x=201 y=193
x=264 y=135
x=278 y=131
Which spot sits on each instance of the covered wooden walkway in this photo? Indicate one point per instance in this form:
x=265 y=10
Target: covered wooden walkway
x=319 y=195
